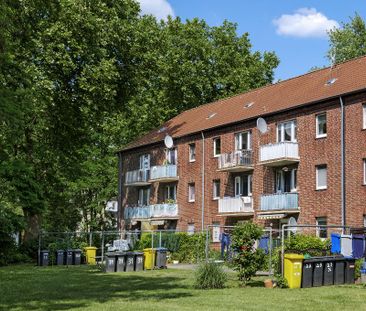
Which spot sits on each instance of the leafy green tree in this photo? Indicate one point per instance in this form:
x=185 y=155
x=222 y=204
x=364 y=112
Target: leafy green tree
x=349 y=41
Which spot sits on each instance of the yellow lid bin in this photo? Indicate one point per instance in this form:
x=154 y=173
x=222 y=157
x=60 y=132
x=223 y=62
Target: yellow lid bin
x=149 y=258
x=293 y=270
x=91 y=253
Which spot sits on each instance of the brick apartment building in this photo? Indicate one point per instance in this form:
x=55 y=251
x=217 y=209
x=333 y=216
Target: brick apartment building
x=222 y=169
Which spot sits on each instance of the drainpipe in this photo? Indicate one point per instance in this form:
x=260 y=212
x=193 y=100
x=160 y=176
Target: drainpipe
x=343 y=155
x=203 y=183
x=120 y=223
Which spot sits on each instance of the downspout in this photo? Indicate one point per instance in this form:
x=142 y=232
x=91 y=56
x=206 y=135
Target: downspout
x=120 y=223
x=203 y=183
x=343 y=155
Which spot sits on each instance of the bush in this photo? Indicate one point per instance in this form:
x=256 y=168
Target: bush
x=247 y=260
x=280 y=281
x=210 y=275
x=358 y=265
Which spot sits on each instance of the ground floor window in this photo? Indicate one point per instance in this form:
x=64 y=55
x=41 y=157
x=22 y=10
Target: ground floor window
x=190 y=229
x=321 y=232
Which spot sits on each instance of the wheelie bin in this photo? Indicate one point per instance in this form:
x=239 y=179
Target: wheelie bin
x=139 y=261
x=44 y=258
x=76 y=257
x=91 y=253
x=339 y=269
x=149 y=258
x=121 y=261
x=307 y=273
x=110 y=265
x=68 y=257
x=328 y=277
x=349 y=273
x=161 y=257
x=130 y=261
x=293 y=269
x=60 y=257
x=318 y=272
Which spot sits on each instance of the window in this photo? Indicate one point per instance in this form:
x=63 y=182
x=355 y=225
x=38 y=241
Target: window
x=321 y=125
x=286 y=131
x=242 y=141
x=191 y=192
x=321 y=177
x=192 y=152
x=286 y=180
x=364 y=221
x=243 y=186
x=144 y=162
x=190 y=229
x=171 y=156
x=144 y=196
x=321 y=232
x=217 y=146
x=216 y=189
x=364 y=115
x=170 y=193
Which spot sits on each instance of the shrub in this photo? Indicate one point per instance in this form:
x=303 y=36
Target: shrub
x=247 y=260
x=313 y=245
x=210 y=275
x=281 y=282
x=358 y=265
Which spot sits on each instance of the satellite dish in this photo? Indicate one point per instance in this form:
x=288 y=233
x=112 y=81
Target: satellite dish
x=292 y=222
x=168 y=141
x=262 y=125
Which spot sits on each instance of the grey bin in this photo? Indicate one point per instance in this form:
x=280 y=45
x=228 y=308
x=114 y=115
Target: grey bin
x=339 y=270
x=130 y=261
x=349 y=277
x=318 y=272
x=76 y=256
x=110 y=265
x=307 y=273
x=328 y=273
x=139 y=261
x=161 y=257
x=44 y=258
x=68 y=255
x=121 y=261
x=60 y=257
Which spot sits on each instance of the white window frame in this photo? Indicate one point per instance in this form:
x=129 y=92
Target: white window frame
x=192 y=152
x=364 y=116
x=364 y=220
x=364 y=171
x=280 y=181
x=168 y=190
x=141 y=196
x=214 y=146
x=191 y=192
x=216 y=191
x=190 y=229
x=317 y=168
x=168 y=156
x=239 y=140
x=145 y=161
x=319 y=221
x=237 y=185
x=318 y=135
x=281 y=131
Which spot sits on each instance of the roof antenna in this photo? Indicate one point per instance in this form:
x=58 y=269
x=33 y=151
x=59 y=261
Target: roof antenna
x=331 y=79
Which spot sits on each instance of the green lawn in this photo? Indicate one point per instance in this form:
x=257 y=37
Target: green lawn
x=85 y=288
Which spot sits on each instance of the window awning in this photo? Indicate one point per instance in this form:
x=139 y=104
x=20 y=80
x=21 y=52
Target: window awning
x=272 y=216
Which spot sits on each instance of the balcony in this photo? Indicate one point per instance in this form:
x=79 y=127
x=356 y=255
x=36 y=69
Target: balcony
x=279 y=154
x=153 y=211
x=281 y=202
x=238 y=161
x=137 y=178
x=236 y=206
x=163 y=173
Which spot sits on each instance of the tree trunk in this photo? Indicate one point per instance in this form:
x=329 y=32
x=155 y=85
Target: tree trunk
x=32 y=228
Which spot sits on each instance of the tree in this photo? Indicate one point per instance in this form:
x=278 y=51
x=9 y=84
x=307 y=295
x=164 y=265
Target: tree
x=349 y=41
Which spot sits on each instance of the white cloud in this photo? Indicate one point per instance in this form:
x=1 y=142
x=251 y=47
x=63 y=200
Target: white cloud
x=305 y=23
x=159 y=8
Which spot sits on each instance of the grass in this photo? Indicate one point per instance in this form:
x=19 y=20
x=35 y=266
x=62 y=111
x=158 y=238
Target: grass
x=85 y=288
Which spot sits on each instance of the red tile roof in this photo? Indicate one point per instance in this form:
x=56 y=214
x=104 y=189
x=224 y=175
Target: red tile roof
x=302 y=90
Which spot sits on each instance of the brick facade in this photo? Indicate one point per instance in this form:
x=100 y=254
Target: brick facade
x=312 y=152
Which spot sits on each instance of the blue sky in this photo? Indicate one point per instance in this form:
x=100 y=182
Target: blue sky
x=294 y=29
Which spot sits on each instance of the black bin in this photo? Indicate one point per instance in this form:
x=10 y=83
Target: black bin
x=349 y=277
x=60 y=257
x=139 y=261
x=68 y=257
x=339 y=270
x=76 y=257
x=318 y=272
x=161 y=256
x=110 y=265
x=120 y=261
x=130 y=261
x=307 y=273
x=328 y=274
x=44 y=258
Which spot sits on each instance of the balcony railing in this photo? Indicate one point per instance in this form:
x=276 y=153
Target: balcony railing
x=238 y=160
x=152 y=211
x=164 y=172
x=280 y=201
x=236 y=205
x=137 y=177
x=285 y=152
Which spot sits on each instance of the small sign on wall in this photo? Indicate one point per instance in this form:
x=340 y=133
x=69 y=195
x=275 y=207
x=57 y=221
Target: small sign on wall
x=216 y=234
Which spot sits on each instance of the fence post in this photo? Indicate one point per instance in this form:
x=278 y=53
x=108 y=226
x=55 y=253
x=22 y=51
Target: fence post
x=206 y=248
x=160 y=238
x=270 y=251
x=152 y=247
x=102 y=246
x=90 y=238
x=39 y=247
